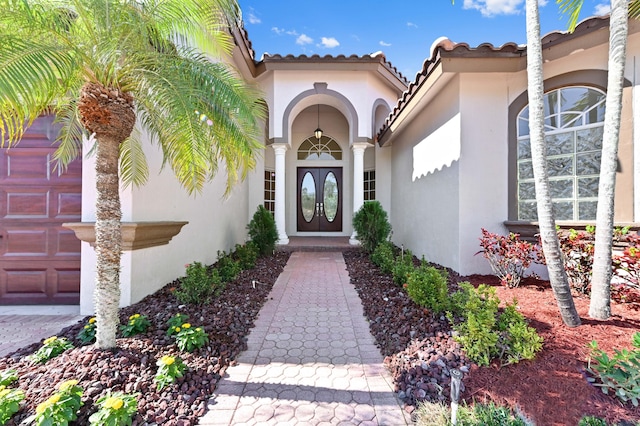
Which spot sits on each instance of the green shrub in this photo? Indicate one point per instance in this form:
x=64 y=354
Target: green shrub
x=262 y=231
x=518 y=340
x=170 y=368
x=382 y=256
x=246 y=255
x=199 y=285
x=592 y=421
x=485 y=335
x=190 y=338
x=61 y=407
x=175 y=322
x=7 y=377
x=9 y=403
x=487 y=414
x=88 y=333
x=402 y=267
x=228 y=269
x=371 y=225
x=476 y=333
x=115 y=409
x=427 y=286
x=619 y=374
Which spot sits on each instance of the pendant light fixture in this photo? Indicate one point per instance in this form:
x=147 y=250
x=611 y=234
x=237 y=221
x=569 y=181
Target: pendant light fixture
x=318 y=132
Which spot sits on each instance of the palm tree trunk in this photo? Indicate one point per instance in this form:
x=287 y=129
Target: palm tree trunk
x=109 y=114
x=600 y=305
x=549 y=237
x=108 y=242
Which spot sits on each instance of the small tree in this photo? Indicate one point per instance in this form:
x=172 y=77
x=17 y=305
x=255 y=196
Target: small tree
x=263 y=231
x=371 y=225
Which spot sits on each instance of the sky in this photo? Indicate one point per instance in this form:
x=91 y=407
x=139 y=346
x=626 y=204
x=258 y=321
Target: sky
x=403 y=29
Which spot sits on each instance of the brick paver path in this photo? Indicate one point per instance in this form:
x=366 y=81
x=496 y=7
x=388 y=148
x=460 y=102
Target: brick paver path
x=311 y=359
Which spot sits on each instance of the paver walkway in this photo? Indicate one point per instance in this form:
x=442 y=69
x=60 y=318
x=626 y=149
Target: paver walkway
x=311 y=359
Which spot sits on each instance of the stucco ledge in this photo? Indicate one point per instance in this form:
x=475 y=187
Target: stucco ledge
x=135 y=235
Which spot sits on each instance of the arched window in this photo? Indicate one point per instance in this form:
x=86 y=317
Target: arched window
x=324 y=148
x=574 y=124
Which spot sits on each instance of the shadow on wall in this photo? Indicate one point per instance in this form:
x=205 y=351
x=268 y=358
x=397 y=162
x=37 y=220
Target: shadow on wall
x=438 y=150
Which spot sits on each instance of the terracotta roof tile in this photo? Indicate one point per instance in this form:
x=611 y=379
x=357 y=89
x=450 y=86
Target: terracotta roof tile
x=448 y=48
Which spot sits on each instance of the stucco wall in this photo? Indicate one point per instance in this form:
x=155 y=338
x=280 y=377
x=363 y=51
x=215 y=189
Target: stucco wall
x=425 y=204
x=215 y=223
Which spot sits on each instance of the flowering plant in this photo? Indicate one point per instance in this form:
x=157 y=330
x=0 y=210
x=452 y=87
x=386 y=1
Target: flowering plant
x=51 y=347
x=189 y=338
x=137 y=324
x=9 y=402
x=115 y=409
x=88 y=332
x=508 y=256
x=7 y=377
x=627 y=265
x=175 y=322
x=169 y=369
x=61 y=407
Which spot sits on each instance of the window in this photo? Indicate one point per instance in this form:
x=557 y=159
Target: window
x=574 y=124
x=369 y=185
x=270 y=190
x=323 y=149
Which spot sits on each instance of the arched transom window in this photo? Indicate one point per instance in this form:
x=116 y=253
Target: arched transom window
x=574 y=123
x=324 y=148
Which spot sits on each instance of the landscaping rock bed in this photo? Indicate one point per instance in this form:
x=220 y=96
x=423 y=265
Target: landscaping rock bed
x=552 y=389
x=132 y=365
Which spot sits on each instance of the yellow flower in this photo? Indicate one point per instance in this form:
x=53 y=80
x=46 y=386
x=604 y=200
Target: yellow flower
x=113 y=402
x=198 y=329
x=186 y=325
x=92 y=320
x=42 y=406
x=86 y=327
x=177 y=329
x=65 y=386
x=167 y=360
x=4 y=392
x=50 y=340
x=54 y=398
x=134 y=316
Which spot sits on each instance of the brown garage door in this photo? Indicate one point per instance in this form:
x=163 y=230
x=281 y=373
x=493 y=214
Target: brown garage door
x=39 y=259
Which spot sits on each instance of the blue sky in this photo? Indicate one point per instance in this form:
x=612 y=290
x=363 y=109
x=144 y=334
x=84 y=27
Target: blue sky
x=403 y=29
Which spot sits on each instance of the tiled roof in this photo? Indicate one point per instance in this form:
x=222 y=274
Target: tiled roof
x=448 y=49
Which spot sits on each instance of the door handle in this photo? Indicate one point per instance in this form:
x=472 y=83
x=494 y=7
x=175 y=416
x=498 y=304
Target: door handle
x=317 y=209
x=321 y=208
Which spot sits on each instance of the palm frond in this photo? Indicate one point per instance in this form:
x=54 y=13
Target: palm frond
x=133 y=163
x=70 y=137
x=572 y=8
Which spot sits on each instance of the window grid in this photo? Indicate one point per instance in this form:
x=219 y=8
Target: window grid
x=369 y=185
x=325 y=148
x=574 y=142
x=270 y=190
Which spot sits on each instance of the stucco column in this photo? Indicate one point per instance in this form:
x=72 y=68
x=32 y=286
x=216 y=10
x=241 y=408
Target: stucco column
x=358 y=181
x=280 y=150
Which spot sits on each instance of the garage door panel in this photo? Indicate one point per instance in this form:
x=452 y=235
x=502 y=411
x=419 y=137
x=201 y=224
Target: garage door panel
x=68 y=243
x=22 y=204
x=68 y=281
x=68 y=205
x=26 y=281
x=26 y=242
x=39 y=260
x=30 y=164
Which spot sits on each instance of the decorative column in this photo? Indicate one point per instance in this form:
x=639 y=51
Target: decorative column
x=358 y=181
x=280 y=151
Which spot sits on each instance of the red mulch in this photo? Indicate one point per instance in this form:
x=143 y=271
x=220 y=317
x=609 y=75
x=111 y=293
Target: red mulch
x=552 y=389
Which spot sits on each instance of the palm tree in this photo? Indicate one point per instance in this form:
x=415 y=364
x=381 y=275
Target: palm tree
x=600 y=304
x=548 y=235
x=103 y=66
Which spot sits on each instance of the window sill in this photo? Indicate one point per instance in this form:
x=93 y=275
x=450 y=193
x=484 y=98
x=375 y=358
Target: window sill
x=529 y=230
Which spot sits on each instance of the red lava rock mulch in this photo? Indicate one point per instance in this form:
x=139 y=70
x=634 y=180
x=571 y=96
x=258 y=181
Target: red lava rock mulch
x=550 y=390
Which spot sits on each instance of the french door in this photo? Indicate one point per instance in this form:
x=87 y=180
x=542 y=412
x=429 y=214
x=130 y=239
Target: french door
x=319 y=194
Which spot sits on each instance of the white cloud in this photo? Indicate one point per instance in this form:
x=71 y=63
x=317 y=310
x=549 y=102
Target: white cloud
x=277 y=30
x=253 y=19
x=411 y=24
x=330 y=42
x=382 y=43
x=602 y=9
x=494 y=7
x=304 y=39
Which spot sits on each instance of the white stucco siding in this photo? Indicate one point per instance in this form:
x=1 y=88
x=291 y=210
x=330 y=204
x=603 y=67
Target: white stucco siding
x=359 y=87
x=483 y=174
x=425 y=207
x=215 y=223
